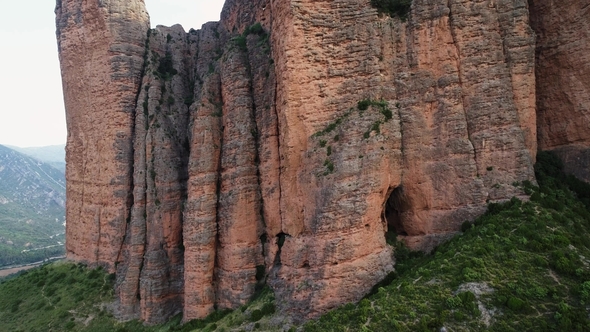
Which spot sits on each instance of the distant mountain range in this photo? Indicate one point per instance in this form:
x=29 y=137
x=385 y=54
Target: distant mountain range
x=54 y=155
x=32 y=208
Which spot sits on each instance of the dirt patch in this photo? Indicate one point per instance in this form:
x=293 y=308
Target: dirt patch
x=7 y=272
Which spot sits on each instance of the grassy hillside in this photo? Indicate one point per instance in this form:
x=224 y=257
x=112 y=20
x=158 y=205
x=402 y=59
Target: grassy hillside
x=70 y=297
x=523 y=266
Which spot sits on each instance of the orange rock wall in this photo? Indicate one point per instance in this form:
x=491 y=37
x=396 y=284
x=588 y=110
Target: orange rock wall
x=563 y=80
x=101 y=48
x=203 y=165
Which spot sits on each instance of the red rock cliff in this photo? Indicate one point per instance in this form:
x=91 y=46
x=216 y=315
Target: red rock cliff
x=101 y=47
x=203 y=165
x=563 y=80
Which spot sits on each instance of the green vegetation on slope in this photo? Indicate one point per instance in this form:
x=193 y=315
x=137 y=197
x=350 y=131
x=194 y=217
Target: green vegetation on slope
x=56 y=297
x=523 y=266
x=70 y=297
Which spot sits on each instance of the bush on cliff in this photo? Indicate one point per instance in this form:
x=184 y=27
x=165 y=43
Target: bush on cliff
x=393 y=8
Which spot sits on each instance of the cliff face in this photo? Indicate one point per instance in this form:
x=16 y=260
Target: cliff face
x=101 y=46
x=563 y=81
x=280 y=144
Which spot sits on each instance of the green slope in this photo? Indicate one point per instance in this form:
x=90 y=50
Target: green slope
x=32 y=209
x=70 y=297
x=523 y=266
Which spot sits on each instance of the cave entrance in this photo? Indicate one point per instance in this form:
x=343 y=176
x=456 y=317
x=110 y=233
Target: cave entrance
x=392 y=213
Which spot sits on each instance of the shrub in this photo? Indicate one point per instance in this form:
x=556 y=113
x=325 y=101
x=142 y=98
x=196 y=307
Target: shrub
x=454 y=302
x=256 y=29
x=515 y=304
x=399 y=8
x=364 y=104
x=165 y=68
x=585 y=292
x=256 y=315
x=268 y=309
x=241 y=42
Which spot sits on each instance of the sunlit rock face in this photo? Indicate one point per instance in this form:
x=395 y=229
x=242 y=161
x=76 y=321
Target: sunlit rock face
x=278 y=145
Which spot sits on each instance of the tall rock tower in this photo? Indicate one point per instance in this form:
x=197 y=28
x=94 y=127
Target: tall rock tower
x=101 y=49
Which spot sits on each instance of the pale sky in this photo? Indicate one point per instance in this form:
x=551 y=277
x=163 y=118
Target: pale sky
x=31 y=99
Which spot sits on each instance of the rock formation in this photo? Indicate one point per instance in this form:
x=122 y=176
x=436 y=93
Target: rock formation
x=101 y=46
x=563 y=81
x=279 y=145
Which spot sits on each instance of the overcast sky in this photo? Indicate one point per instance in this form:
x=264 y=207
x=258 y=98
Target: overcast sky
x=31 y=100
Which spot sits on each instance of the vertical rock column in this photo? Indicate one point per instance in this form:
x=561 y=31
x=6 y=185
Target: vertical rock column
x=101 y=47
x=440 y=188
x=239 y=220
x=563 y=80
x=154 y=245
x=519 y=49
x=200 y=213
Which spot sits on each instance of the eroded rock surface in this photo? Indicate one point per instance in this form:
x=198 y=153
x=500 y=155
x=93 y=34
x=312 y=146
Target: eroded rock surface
x=101 y=47
x=563 y=80
x=280 y=144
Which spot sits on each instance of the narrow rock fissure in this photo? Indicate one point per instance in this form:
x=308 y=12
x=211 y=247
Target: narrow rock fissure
x=218 y=192
x=131 y=196
x=257 y=163
x=274 y=106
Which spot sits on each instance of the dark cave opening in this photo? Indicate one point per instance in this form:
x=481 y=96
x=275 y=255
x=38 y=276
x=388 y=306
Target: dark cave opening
x=281 y=237
x=392 y=212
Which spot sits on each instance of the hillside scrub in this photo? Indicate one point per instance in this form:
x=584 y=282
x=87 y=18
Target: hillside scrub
x=72 y=297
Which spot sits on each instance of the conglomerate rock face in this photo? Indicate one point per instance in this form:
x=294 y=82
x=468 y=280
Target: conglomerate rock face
x=101 y=47
x=563 y=80
x=279 y=145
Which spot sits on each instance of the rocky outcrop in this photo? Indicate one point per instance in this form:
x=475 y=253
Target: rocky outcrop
x=279 y=145
x=563 y=81
x=153 y=250
x=101 y=47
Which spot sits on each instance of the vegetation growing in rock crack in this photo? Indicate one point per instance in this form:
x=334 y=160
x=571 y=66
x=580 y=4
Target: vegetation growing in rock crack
x=166 y=68
x=393 y=8
x=362 y=106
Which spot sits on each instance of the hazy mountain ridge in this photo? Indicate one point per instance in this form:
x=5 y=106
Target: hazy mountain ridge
x=54 y=155
x=32 y=208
